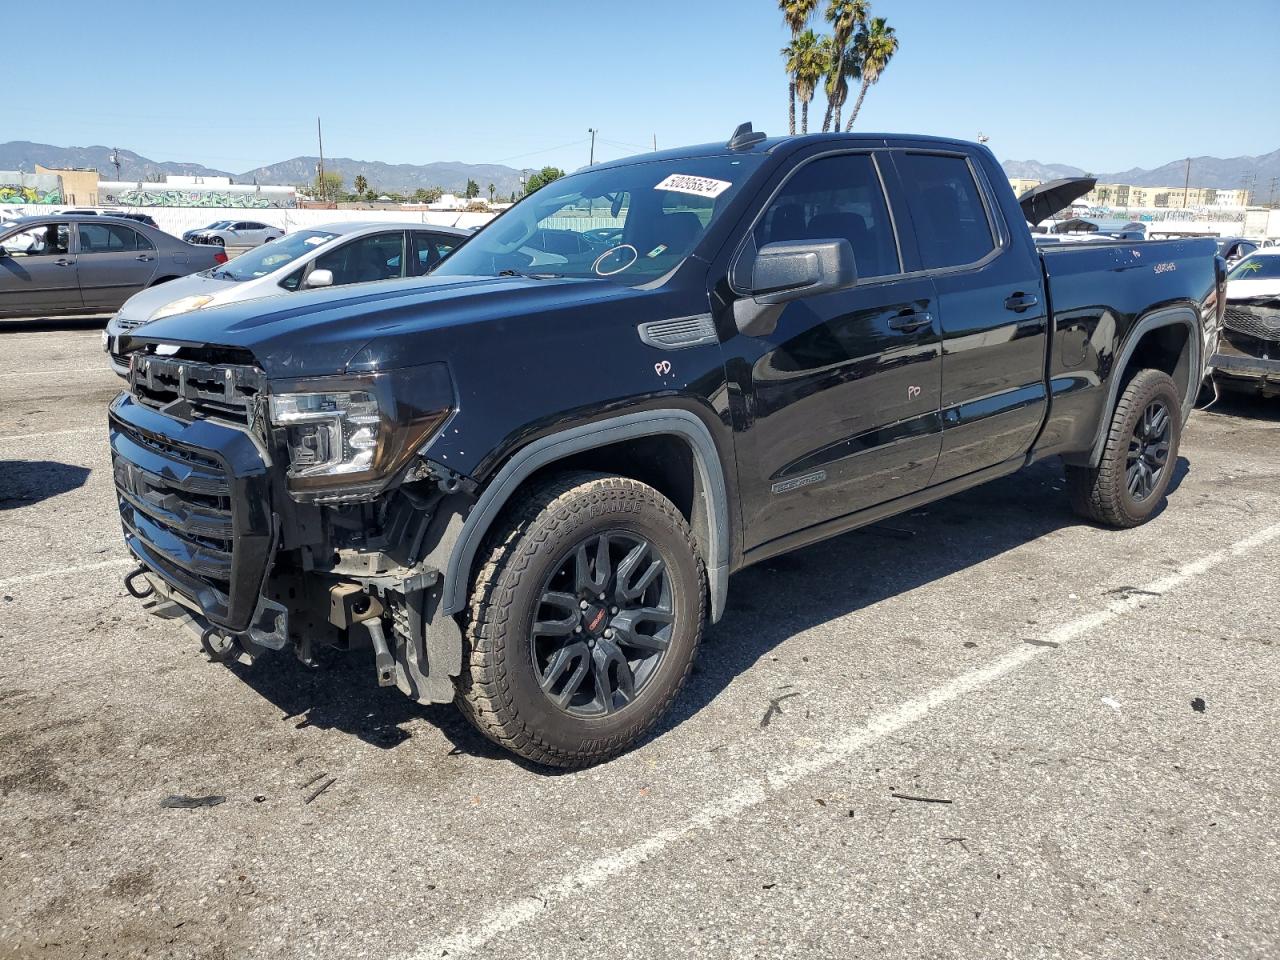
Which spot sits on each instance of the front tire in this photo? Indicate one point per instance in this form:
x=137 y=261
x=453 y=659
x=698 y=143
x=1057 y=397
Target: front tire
x=1138 y=460
x=584 y=620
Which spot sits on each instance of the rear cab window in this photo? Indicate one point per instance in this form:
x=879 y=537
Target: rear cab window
x=953 y=225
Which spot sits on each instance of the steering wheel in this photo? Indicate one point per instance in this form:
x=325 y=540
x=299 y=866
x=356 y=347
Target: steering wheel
x=615 y=260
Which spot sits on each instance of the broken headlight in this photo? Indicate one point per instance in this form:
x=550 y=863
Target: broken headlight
x=346 y=437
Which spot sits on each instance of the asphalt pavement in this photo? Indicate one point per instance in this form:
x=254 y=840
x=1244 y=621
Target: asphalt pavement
x=983 y=729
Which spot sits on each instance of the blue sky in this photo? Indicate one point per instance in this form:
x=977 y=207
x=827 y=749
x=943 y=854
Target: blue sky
x=1134 y=82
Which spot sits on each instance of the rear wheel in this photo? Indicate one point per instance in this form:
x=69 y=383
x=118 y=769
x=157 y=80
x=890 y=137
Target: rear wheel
x=584 y=620
x=1130 y=481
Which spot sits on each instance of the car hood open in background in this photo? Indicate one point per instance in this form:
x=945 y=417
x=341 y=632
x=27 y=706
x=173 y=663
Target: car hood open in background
x=319 y=332
x=1042 y=202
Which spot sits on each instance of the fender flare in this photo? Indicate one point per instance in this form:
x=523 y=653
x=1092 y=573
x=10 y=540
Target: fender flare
x=1165 y=317
x=539 y=453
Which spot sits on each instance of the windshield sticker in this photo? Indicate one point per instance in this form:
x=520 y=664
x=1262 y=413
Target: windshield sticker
x=698 y=186
x=656 y=251
x=315 y=241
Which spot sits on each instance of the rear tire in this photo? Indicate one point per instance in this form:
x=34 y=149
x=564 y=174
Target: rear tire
x=1139 y=457
x=551 y=671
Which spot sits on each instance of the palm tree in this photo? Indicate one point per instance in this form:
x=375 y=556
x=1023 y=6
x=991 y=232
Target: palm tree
x=845 y=17
x=813 y=55
x=875 y=46
x=491 y=189
x=796 y=15
x=839 y=73
x=361 y=184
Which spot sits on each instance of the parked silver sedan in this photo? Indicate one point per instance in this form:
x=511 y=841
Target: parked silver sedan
x=325 y=256
x=236 y=233
x=60 y=265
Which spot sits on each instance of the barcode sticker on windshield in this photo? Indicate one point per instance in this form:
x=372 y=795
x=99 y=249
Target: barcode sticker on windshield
x=698 y=186
x=315 y=241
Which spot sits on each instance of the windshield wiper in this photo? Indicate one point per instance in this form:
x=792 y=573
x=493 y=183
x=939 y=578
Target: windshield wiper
x=529 y=276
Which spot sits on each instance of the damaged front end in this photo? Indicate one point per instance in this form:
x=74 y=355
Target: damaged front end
x=303 y=512
x=1248 y=355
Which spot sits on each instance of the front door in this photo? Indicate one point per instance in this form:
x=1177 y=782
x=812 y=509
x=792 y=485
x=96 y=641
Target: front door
x=115 y=262
x=843 y=396
x=38 y=272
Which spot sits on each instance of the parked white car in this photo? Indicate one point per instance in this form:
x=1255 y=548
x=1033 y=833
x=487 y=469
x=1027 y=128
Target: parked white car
x=330 y=255
x=237 y=233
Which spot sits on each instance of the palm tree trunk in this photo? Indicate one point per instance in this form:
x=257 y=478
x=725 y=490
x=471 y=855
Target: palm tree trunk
x=857 y=106
x=826 y=118
x=836 y=126
x=804 y=116
x=793 y=107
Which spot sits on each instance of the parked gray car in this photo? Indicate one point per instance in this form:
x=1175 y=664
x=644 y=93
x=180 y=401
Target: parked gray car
x=330 y=255
x=59 y=265
x=236 y=233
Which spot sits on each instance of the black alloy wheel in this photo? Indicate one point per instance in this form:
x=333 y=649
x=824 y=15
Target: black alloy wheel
x=1148 y=450
x=603 y=624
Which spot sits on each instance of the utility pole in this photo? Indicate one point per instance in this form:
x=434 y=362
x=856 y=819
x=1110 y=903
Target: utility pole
x=1186 y=184
x=115 y=159
x=593 y=132
x=320 y=174
x=655 y=143
x=1271 y=193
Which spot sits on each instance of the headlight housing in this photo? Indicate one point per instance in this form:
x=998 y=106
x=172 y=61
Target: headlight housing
x=347 y=437
x=181 y=305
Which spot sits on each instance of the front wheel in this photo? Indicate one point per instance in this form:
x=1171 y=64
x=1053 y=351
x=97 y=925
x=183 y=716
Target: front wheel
x=1139 y=457
x=584 y=620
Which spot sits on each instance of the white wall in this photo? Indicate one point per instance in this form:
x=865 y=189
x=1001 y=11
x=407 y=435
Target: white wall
x=177 y=220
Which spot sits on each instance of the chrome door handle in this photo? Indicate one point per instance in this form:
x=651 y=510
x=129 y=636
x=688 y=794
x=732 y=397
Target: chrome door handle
x=145 y=258
x=1021 y=302
x=910 y=322
x=64 y=263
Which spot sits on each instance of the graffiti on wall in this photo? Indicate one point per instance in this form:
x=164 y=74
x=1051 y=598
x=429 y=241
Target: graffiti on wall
x=195 y=198
x=18 y=187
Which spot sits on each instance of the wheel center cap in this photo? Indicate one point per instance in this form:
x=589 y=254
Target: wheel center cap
x=593 y=618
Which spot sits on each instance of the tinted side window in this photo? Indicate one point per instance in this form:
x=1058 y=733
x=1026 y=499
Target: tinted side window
x=106 y=238
x=375 y=257
x=143 y=242
x=947 y=209
x=431 y=248
x=832 y=198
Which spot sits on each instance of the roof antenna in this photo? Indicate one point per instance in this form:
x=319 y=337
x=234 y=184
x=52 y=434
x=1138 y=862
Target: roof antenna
x=744 y=136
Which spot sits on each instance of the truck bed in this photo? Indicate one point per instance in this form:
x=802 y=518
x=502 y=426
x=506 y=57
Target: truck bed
x=1098 y=292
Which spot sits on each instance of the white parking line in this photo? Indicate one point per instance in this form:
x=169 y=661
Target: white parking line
x=37 y=374
x=100 y=429
x=507 y=917
x=66 y=571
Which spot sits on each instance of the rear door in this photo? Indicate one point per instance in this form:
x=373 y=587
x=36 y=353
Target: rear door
x=844 y=393
x=38 y=272
x=992 y=306
x=429 y=249
x=114 y=262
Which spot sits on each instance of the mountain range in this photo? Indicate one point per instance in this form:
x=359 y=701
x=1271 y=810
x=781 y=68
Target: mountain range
x=1220 y=173
x=1229 y=173
x=399 y=177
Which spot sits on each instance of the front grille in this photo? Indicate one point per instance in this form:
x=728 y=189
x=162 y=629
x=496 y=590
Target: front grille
x=1255 y=320
x=176 y=503
x=226 y=391
x=194 y=501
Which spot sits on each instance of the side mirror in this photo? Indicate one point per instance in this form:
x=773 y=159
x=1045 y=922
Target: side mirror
x=3 y=253
x=318 y=278
x=782 y=272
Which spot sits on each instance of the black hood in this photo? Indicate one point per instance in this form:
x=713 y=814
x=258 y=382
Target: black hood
x=321 y=332
x=1042 y=202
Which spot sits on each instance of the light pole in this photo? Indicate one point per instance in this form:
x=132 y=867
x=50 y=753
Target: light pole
x=593 y=132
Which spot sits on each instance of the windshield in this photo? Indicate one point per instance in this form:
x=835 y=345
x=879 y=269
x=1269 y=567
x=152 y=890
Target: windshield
x=270 y=257
x=1256 y=268
x=628 y=224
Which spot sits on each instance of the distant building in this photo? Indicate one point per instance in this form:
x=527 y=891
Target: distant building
x=1127 y=195
x=1021 y=185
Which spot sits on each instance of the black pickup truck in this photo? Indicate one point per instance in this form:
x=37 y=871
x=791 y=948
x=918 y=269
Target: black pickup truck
x=526 y=479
